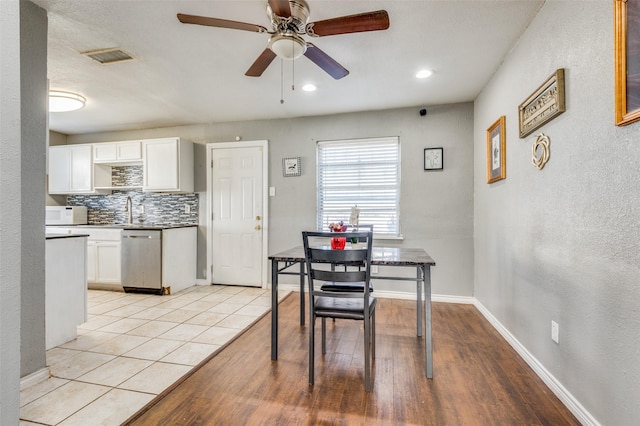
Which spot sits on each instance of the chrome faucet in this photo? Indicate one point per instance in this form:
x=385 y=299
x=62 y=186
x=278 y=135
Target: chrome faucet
x=128 y=207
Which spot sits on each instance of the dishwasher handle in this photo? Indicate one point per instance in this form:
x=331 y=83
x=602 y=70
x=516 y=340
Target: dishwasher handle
x=137 y=236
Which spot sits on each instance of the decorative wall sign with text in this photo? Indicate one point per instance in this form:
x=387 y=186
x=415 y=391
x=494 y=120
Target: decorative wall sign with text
x=543 y=105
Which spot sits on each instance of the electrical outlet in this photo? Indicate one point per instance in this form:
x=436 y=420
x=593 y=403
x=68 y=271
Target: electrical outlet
x=555 y=330
x=187 y=208
x=141 y=208
x=272 y=191
x=374 y=269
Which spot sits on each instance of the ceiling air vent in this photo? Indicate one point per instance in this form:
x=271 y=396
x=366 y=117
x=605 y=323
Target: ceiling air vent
x=109 y=56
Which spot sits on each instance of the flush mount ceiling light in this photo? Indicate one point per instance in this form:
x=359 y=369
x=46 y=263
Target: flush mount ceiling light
x=309 y=87
x=60 y=101
x=287 y=45
x=424 y=73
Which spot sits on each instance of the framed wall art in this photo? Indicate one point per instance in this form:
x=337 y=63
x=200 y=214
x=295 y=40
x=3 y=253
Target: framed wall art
x=433 y=159
x=291 y=166
x=545 y=104
x=627 y=61
x=496 y=151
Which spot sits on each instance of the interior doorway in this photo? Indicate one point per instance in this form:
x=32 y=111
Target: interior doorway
x=237 y=207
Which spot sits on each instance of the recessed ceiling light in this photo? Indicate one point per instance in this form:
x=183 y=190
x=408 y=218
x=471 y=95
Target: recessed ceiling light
x=309 y=87
x=424 y=73
x=60 y=101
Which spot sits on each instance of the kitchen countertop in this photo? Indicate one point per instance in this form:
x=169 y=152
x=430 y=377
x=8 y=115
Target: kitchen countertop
x=51 y=236
x=139 y=226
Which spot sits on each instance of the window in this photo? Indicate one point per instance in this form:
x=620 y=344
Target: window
x=362 y=172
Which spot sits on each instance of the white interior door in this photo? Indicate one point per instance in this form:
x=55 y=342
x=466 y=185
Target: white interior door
x=237 y=217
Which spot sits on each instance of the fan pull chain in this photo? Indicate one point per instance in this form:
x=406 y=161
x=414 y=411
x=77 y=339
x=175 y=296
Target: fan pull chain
x=281 y=81
x=293 y=75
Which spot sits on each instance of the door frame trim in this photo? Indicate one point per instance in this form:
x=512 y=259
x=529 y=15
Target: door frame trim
x=264 y=144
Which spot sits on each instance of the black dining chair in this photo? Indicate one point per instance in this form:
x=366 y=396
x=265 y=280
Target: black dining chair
x=356 y=304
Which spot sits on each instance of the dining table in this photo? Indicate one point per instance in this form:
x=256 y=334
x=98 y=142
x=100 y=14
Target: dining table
x=292 y=262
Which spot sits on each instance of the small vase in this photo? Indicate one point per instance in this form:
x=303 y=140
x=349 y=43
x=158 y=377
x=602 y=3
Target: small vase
x=338 y=243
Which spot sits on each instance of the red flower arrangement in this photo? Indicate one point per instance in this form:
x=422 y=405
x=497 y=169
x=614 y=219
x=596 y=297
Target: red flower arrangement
x=338 y=227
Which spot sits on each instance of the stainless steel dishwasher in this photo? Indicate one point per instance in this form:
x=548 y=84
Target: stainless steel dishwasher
x=142 y=260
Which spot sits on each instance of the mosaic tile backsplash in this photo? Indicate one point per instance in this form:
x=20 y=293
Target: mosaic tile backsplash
x=165 y=209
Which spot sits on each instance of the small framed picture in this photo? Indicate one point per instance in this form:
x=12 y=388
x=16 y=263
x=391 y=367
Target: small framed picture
x=433 y=158
x=496 y=151
x=291 y=166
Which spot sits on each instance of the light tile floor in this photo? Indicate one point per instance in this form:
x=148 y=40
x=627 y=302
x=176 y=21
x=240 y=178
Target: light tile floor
x=133 y=347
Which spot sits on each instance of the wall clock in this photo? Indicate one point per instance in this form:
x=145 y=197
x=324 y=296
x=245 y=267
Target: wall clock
x=433 y=158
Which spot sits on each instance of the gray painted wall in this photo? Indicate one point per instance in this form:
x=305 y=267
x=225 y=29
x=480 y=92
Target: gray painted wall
x=562 y=243
x=436 y=207
x=23 y=51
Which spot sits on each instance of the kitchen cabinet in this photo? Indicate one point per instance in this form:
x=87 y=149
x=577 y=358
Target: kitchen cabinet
x=103 y=262
x=103 y=254
x=65 y=288
x=70 y=169
x=168 y=165
x=120 y=153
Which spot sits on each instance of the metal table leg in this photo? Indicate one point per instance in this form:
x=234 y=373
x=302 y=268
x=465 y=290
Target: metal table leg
x=301 y=293
x=419 y=299
x=427 y=315
x=274 y=309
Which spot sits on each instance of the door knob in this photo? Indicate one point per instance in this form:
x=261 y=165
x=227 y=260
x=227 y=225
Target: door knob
x=258 y=218
x=258 y=227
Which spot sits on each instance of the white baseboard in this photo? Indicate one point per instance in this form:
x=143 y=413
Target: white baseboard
x=556 y=387
x=35 y=377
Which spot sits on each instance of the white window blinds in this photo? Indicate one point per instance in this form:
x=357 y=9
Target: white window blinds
x=362 y=172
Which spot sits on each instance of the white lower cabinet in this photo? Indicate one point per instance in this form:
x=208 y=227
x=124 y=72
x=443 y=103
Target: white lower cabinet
x=103 y=255
x=103 y=262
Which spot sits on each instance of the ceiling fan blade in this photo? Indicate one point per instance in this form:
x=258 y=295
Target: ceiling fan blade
x=325 y=62
x=220 y=23
x=280 y=7
x=261 y=64
x=369 y=21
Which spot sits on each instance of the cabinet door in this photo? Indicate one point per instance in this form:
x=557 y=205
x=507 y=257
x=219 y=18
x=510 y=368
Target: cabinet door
x=81 y=168
x=104 y=152
x=59 y=166
x=129 y=151
x=91 y=261
x=161 y=165
x=108 y=262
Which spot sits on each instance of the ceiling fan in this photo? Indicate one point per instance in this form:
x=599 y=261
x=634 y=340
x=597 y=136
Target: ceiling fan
x=289 y=22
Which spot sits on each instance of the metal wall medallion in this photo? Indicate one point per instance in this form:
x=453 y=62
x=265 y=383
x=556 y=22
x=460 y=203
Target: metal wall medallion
x=540 y=151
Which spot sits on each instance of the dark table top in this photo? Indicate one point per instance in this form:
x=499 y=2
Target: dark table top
x=395 y=256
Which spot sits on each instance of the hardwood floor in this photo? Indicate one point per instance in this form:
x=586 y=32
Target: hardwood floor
x=478 y=378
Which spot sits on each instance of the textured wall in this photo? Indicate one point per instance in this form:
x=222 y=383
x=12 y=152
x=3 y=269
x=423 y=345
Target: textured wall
x=562 y=243
x=23 y=31
x=436 y=207
x=33 y=98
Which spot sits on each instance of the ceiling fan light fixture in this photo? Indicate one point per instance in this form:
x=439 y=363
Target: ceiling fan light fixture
x=424 y=73
x=61 y=101
x=287 y=45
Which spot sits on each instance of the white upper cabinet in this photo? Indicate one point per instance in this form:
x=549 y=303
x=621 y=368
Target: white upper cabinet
x=118 y=152
x=168 y=165
x=70 y=169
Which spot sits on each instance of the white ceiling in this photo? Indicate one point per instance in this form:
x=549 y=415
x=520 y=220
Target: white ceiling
x=187 y=74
